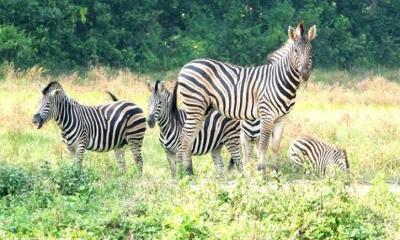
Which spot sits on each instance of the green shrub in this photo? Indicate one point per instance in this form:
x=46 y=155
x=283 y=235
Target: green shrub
x=72 y=179
x=14 y=180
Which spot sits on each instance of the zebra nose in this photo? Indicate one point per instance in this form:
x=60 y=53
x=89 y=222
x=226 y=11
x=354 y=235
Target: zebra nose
x=305 y=74
x=151 y=120
x=37 y=120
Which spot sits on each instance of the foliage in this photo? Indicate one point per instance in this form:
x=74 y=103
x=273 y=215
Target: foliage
x=13 y=180
x=154 y=35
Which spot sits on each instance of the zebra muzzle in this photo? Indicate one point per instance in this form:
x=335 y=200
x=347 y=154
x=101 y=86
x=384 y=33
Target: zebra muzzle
x=151 y=121
x=37 y=120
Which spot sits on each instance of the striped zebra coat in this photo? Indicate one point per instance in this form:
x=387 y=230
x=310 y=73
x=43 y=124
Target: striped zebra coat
x=250 y=130
x=320 y=155
x=97 y=128
x=266 y=92
x=216 y=131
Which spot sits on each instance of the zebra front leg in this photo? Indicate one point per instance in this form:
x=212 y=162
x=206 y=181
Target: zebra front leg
x=172 y=162
x=276 y=141
x=80 y=150
x=189 y=132
x=216 y=157
x=136 y=148
x=120 y=156
x=233 y=146
x=265 y=132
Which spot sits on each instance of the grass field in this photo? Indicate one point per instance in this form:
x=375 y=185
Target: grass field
x=43 y=196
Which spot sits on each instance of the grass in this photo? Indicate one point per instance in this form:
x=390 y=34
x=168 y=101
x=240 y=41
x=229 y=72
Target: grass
x=356 y=111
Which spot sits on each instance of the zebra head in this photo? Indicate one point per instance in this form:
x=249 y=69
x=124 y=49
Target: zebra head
x=157 y=102
x=51 y=95
x=301 y=51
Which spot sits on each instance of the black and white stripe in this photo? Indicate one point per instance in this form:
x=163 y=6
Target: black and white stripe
x=96 y=128
x=216 y=131
x=320 y=155
x=250 y=130
x=266 y=92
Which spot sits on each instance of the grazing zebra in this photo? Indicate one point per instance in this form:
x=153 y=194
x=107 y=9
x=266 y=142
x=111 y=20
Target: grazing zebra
x=266 y=92
x=216 y=131
x=97 y=128
x=319 y=154
x=250 y=130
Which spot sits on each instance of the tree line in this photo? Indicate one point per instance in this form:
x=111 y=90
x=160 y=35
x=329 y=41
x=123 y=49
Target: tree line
x=158 y=35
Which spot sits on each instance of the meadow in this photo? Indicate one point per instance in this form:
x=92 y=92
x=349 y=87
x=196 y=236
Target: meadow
x=43 y=195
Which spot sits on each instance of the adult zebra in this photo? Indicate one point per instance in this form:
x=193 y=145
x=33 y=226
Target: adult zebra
x=319 y=154
x=250 y=130
x=267 y=92
x=97 y=128
x=216 y=131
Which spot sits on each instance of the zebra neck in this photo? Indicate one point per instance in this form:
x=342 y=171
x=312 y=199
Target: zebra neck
x=169 y=127
x=67 y=115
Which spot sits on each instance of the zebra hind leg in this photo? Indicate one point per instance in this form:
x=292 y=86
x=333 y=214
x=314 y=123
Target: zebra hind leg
x=216 y=157
x=136 y=148
x=120 y=156
x=172 y=162
x=233 y=146
x=190 y=130
x=247 y=147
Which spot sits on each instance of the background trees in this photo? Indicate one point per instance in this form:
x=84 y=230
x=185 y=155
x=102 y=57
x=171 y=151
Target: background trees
x=154 y=35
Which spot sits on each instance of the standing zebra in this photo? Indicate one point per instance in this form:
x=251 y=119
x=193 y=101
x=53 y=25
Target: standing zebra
x=216 y=131
x=250 y=130
x=266 y=92
x=320 y=155
x=97 y=128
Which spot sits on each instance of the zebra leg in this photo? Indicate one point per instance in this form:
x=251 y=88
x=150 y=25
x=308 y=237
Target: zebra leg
x=276 y=141
x=247 y=147
x=120 y=156
x=216 y=157
x=265 y=132
x=172 y=162
x=233 y=146
x=72 y=150
x=136 y=148
x=189 y=132
x=80 y=149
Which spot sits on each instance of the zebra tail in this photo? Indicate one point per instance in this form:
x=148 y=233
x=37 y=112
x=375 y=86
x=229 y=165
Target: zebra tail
x=174 y=105
x=113 y=97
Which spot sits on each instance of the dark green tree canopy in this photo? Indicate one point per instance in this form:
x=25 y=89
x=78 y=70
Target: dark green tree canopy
x=154 y=35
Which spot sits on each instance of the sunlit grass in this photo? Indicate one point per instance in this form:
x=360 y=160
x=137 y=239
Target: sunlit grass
x=362 y=117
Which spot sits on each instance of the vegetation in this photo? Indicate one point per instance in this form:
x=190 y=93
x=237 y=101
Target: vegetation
x=42 y=195
x=154 y=35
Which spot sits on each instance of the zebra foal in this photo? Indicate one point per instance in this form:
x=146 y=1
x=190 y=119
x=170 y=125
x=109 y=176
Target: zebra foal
x=320 y=155
x=97 y=128
x=216 y=131
x=266 y=92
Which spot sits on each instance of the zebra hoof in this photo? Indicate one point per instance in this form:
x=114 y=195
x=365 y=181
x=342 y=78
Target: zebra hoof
x=189 y=171
x=261 y=166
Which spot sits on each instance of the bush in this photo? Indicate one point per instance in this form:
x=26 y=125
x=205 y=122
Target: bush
x=72 y=179
x=14 y=180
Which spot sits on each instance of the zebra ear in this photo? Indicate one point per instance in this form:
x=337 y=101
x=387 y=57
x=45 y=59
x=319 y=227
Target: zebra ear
x=312 y=32
x=161 y=86
x=300 y=29
x=149 y=86
x=41 y=86
x=54 y=92
x=291 y=33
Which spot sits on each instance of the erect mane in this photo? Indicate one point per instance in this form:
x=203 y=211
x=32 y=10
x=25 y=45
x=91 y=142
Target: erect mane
x=50 y=86
x=278 y=53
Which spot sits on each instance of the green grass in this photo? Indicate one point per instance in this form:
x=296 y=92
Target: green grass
x=54 y=200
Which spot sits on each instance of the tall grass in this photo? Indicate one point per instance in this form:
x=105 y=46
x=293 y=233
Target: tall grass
x=361 y=117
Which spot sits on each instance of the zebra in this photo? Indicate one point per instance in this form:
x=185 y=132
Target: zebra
x=216 y=131
x=266 y=92
x=319 y=154
x=250 y=130
x=97 y=128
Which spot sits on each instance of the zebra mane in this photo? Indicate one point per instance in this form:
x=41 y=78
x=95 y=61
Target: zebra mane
x=52 y=85
x=346 y=159
x=279 y=53
x=156 y=86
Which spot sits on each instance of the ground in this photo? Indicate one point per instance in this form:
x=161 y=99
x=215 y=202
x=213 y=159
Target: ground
x=45 y=196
